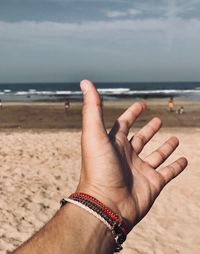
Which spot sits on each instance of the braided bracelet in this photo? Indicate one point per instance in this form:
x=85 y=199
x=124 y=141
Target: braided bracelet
x=112 y=220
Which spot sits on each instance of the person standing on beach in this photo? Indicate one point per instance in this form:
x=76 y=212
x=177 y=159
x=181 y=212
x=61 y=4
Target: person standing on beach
x=171 y=104
x=116 y=189
x=67 y=105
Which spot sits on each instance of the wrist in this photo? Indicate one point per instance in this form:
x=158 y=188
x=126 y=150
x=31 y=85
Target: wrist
x=118 y=207
x=113 y=221
x=99 y=196
x=94 y=235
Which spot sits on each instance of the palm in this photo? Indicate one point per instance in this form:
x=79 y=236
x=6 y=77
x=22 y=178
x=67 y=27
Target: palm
x=140 y=183
x=112 y=168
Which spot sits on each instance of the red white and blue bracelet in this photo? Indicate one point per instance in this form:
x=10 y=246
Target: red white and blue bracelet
x=112 y=220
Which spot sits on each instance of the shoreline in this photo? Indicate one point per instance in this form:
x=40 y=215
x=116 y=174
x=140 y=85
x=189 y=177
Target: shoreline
x=117 y=98
x=52 y=115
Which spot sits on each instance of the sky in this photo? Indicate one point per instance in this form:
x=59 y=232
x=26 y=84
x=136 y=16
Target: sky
x=105 y=41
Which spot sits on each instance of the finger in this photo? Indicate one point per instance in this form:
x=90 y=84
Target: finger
x=92 y=110
x=171 y=171
x=126 y=120
x=156 y=158
x=139 y=140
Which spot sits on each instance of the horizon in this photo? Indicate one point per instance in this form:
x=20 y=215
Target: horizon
x=96 y=82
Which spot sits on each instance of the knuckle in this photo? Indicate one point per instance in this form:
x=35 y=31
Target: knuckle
x=172 y=172
x=151 y=128
x=132 y=111
x=85 y=108
x=170 y=145
x=88 y=104
x=162 y=181
x=98 y=103
x=142 y=139
x=124 y=124
x=161 y=155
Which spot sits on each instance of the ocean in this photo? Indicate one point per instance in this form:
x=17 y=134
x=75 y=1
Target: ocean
x=109 y=91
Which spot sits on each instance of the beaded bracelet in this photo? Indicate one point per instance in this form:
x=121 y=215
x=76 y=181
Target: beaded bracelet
x=113 y=221
x=106 y=210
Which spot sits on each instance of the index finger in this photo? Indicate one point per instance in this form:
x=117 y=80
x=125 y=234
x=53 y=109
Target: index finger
x=126 y=120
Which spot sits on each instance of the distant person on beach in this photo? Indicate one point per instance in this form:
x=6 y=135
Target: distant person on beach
x=67 y=105
x=180 y=110
x=171 y=104
x=116 y=189
x=1 y=105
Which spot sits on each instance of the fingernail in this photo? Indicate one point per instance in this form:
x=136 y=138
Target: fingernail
x=84 y=86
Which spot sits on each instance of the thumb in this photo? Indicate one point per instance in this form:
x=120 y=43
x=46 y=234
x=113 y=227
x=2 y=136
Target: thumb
x=92 y=110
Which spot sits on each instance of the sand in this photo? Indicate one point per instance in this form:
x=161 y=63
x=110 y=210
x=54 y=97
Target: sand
x=40 y=162
x=39 y=167
x=51 y=115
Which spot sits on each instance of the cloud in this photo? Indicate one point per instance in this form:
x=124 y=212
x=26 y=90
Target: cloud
x=115 y=14
x=108 y=39
x=95 y=10
x=126 y=13
x=96 y=32
x=112 y=47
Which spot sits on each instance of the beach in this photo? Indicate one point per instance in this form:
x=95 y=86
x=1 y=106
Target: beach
x=52 y=115
x=40 y=163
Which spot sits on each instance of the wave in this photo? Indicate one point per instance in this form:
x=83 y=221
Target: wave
x=105 y=92
x=114 y=90
x=122 y=91
x=164 y=91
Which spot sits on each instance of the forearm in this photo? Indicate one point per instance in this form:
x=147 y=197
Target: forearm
x=71 y=230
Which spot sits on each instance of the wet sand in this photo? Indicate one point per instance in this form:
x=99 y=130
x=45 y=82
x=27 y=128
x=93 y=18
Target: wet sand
x=49 y=115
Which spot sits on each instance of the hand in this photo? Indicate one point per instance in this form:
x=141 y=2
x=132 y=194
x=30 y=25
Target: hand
x=112 y=170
